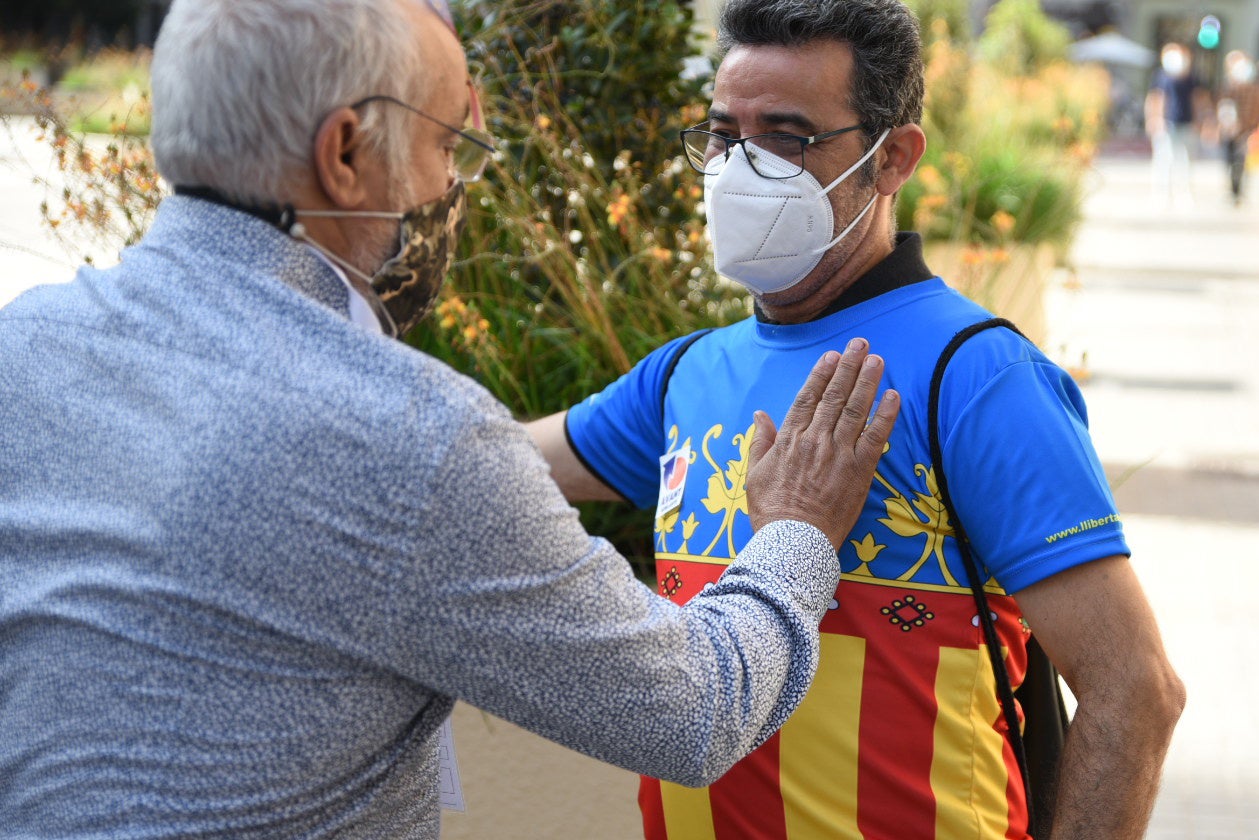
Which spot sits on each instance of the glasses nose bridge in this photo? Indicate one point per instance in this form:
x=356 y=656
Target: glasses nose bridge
x=736 y=142
x=760 y=154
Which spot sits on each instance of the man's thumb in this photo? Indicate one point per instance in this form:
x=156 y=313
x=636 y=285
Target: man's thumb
x=762 y=438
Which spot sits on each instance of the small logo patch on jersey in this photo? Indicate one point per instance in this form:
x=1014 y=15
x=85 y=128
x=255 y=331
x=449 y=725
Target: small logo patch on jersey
x=673 y=469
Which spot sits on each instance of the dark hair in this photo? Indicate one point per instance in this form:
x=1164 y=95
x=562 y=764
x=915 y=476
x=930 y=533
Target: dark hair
x=887 y=83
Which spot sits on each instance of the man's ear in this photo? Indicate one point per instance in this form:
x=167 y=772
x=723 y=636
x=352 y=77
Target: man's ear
x=902 y=149
x=338 y=159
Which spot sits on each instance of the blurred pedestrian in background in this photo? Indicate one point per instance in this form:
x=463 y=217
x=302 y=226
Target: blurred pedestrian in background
x=1173 y=111
x=1238 y=112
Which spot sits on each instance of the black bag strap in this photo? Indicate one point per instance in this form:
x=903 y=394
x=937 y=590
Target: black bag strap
x=1004 y=687
x=673 y=363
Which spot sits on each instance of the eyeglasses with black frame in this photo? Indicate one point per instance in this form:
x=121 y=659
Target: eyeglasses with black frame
x=472 y=151
x=707 y=152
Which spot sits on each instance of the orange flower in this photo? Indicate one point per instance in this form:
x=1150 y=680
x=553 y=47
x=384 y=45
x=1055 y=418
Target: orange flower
x=931 y=178
x=1081 y=372
x=618 y=209
x=1082 y=152
x=1003 y=222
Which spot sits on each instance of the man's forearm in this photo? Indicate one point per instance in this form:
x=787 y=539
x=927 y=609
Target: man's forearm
x=1112 y=763
x=576 y=482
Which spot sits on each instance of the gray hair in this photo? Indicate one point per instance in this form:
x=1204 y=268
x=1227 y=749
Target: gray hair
x=887 y=82
x=241 y=86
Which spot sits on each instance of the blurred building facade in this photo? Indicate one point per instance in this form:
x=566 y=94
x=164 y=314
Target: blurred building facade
x=85 y=24
x=1149 y=22
x=1210 y=28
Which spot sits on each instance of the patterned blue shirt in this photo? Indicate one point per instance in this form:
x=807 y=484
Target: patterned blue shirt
x=250 y=555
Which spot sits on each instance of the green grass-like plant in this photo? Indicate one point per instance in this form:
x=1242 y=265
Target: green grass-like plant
x=585 y=248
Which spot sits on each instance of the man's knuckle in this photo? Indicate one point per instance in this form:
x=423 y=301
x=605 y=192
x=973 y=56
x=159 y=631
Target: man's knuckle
x=853 y=412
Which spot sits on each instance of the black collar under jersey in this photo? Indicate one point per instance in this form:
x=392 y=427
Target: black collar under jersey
x=903 y=267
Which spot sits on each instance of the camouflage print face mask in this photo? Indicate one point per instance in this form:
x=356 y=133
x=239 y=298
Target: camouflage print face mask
x=406 y=285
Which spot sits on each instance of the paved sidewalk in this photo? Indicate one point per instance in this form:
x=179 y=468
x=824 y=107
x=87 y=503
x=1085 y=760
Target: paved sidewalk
x=1166 y=310
x=29 y=254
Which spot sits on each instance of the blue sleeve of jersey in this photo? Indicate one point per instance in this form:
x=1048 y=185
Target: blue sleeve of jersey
x=1025 y=478
x=618 y=432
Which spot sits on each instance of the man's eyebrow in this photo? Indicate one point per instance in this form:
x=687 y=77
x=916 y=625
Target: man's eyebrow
x=791 y=119
x=780 y=120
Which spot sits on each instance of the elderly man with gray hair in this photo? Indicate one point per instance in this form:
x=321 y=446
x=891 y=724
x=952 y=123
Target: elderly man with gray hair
x=252 y=548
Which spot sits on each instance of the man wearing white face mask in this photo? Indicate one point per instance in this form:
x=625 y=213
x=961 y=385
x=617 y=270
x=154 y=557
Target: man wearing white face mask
x=812 y=129
x=769 y=259
x=253 y=548
x=1173 y=111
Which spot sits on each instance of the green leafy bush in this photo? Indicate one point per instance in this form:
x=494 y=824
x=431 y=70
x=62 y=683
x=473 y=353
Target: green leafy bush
x=1021 y=39
x=943 y=19
x=998 y=191
x=1010 y=133
x=585 y=247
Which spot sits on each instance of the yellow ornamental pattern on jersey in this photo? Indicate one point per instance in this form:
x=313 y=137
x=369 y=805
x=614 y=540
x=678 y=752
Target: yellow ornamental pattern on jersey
x=867 y=552
x=915 y=514
x=727 y=489
x=726 y=497
x=924 y=516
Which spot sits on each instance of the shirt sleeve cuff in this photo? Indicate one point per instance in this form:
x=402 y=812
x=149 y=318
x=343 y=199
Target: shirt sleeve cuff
x=800 y=556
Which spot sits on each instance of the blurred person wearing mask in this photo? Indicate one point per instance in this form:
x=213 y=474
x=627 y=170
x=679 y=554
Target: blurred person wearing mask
x=252 y=548
x=1173 y=112
x=812 y=130
x=1238 y=112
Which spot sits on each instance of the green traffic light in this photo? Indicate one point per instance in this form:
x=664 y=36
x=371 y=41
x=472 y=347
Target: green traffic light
x=1209 y=32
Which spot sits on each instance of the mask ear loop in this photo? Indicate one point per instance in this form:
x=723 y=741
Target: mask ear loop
x=869 y=204
x=298 y=231
x=848 y=229
x=877 y=143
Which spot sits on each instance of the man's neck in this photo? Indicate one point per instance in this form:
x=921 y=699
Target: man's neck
x=870 y=252
x=902 y=267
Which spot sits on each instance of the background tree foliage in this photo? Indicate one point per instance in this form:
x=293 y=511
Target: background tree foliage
x=586 y=243
x=1020 y=39
x=585 y=247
